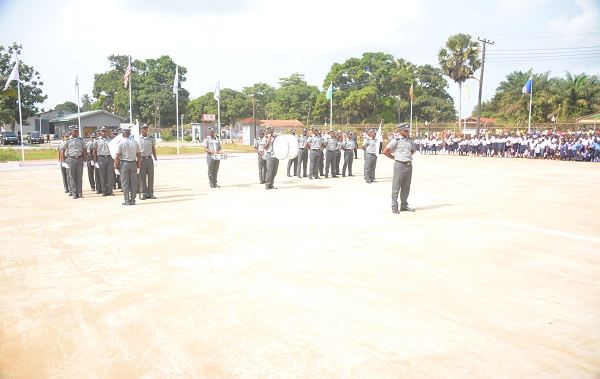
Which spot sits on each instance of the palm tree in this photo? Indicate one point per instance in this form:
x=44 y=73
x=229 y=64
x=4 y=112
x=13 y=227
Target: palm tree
x=459 y=60
x=580 y=94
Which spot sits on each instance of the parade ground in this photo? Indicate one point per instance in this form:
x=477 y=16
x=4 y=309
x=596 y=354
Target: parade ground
x=496 y=274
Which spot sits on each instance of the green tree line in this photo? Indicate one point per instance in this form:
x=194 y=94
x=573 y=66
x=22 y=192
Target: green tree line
x=368 y=89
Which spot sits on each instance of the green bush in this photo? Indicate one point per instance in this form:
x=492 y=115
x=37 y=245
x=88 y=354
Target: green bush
x=7 y=155
x=187 y=138
x=167 y=136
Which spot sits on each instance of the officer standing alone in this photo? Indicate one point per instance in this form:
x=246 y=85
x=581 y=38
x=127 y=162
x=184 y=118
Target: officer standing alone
x=401 y=151
x=74 y=154
x=212 y=145
x=147 y=151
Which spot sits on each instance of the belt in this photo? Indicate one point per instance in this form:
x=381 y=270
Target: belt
x=73 y=156
x=104 y=156
x=408 y=163
x=149 y=156
x=302 y=148
x=123 y=160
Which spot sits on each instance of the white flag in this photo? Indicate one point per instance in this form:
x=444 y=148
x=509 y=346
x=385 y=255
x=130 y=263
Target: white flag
x=14 y=75
x=218 y=91
x=135 y=132
x=176 y=81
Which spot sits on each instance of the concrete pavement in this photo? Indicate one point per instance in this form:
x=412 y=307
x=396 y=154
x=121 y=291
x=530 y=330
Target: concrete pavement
x=497 y=274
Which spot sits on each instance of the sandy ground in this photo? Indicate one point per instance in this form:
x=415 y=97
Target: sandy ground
x=496 y=275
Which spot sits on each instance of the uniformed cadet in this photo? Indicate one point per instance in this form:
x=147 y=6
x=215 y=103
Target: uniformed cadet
x=338 y=155
x=212 y=145
x=302 y=158
x=330 y=146
x=348 y=146
x=272 y=161
x=261 y=157
x=147 y=151
x=75 y=153
x=116 y=178
x=127 y=165
x=314 y=144
x=369 y=146
x=89 y=147
x=62 y=164
x=401 y=150
x=97 y=167
x=321 y=159
x=105 y=163
x=292 y=161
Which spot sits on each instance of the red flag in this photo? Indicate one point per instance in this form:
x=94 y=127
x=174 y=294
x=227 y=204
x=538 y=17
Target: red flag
x=410 y=93
x=127 y=74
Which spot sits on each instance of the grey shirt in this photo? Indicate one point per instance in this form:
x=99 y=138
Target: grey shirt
x=349 y=144
x=331 y=144
x=128 y=150
x=402 y=149
x=101 y=146
x=146 y=145
x=212 y=143
x=302 y=141
x=369 y=145
x=263 y=142
x=315 y=142
x=74 y=147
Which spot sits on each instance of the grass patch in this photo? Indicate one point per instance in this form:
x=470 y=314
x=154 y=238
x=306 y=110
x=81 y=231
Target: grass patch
x=8 y=155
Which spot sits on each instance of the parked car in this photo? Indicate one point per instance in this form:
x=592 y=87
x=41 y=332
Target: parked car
x=10 y=138
x=35 y=137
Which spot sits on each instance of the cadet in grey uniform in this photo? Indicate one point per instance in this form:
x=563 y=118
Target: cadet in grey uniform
x=116 y=178
x=105 y=163
x=261 y=157
x=330 y=147
x=212 y=145
x=338 y=155
x=63 y=165
x=401 y=151
x=147 y=151
x=90 y=160
x=349 y=146
x=292 y=161
x=369 y=146
x=272 y=161
x=302 y=158
x=74 y=154
x=127 y=164
x=314 y=143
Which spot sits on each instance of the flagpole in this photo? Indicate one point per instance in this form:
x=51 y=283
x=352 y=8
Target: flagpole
x=176 y=89
x=411 y=104
x=78 y=107
x=20 y=114
x=129 y=82
x=530 y=99
x=331 y=108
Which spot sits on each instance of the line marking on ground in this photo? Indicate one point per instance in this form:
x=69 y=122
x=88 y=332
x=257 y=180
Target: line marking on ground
x=547 y=231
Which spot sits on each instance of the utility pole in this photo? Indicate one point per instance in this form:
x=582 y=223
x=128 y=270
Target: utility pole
x=485 y=42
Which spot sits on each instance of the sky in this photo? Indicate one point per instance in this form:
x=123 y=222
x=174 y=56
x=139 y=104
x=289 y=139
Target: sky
x=243 y=42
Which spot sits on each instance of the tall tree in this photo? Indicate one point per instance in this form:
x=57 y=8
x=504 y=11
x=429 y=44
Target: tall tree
x=293 y=99
x=31 y=86
x=263 y=95
x=459 y=59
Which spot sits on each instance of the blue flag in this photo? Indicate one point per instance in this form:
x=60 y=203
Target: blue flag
x=527 y=86
x=329 y=93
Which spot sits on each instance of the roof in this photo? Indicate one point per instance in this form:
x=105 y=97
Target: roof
x=274 y=123
x=482 y=119
x=75 y=116
x=593 y=118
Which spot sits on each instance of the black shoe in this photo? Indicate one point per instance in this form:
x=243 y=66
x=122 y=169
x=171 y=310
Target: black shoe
x=126 y=203
x=144 y=197
x=98 y=192
x=75 y=197
x=350 y=175
x=152 y=197
x=289 y=176
x=326 y=177
x=334 y=176
x=368 y=182
x=374 y=181
x=310 y=177
x=304 y=176
x=262 y=182
x=406 y=209
x=66 y=191
x=395 y=211
x=316 y=177
x=217 y=186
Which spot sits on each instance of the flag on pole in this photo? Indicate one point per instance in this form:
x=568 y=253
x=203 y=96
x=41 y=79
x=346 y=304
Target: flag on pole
x=527 y=86
x=468 y=91
x=329 y=93
x=127 y=75
x=14 y=75
x=410 y=93
x=73 y=89
x=218 y=91
x=176 y=81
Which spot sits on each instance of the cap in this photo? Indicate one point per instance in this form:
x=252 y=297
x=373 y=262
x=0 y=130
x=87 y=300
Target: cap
x=314 y=128
x=114 y=131
x=126 y=130
x=66 y=134
x=269 y=128
x=102 y=128
x=293 y=131
x=92 y=134
x=211 y=129
x=73 y=127
x=144 y=126
x=349 y=133
x=403 y=127
x=304 y=129
x=331 y=131
x=261 y=132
